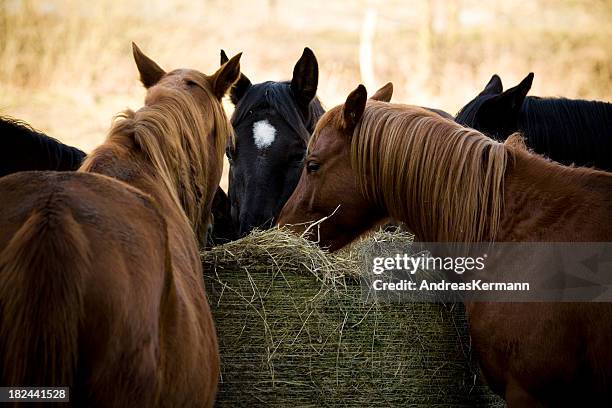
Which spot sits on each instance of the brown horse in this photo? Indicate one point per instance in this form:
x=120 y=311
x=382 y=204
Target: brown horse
x=369 y=159
x=101 y=283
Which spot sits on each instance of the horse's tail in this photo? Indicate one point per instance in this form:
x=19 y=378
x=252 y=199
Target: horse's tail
x=42 y=270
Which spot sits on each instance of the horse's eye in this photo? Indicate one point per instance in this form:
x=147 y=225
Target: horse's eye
x=312 y=167
x=230 y=153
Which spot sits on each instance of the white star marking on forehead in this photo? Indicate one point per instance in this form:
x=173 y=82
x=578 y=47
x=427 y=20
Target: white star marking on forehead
x=263 y=134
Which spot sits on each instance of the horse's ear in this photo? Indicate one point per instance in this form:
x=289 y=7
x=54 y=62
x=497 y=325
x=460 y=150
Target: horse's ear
x=241 y=86
x=150 y=72
x=523 y=88
x=510 y=100
x=224 y=58
x=353 y=108
x=494 y=86
x=225 y=76
x=305 y=78
x=384 y=94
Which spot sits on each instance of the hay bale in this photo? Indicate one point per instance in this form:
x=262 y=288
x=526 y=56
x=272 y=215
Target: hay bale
x=294 y=331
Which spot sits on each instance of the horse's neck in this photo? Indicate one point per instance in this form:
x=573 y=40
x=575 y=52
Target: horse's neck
x=55 y=155
x=35 y=150
x=64 y=157
x=125 y=163
x=544 y=201
x=565 y=119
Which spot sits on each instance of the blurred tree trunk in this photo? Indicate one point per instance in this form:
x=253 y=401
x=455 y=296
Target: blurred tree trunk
x=452 y=21
x=273 y=9
x=426 y=44
x=366 y=60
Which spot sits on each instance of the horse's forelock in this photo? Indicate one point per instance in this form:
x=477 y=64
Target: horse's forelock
x=278 y=96
x=331 y=118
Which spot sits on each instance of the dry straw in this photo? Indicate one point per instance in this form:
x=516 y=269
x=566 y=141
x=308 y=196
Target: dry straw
x=294 y=331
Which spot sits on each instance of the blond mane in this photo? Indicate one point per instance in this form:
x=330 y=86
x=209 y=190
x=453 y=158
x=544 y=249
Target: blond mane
x=172 y=133
x=444 y=179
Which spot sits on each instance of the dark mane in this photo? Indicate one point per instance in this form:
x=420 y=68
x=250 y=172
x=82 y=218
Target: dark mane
x=569 y=131
x=278 y=96
x=24 y=148
x=571 y=128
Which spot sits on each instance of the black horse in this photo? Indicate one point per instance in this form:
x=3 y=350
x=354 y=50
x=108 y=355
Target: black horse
x=273 y=122
x=221 y=227
x=569 y=131
x=24 y=148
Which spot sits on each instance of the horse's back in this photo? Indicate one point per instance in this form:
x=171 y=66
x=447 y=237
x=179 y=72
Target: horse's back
x=122 y=236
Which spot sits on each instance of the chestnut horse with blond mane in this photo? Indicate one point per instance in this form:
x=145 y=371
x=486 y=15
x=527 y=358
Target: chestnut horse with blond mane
x=369 y=159
x=101 y=285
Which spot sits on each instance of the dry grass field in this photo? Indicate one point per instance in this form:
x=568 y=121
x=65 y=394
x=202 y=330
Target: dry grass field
x=66 y=65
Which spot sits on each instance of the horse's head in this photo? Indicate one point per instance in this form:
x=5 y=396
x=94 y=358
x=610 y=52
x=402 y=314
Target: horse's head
x=273 y=122
x=185 y=107
x=329 y=185
x=495 y=112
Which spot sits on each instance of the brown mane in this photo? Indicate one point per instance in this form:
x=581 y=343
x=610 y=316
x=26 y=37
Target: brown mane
x=172 y=135
x=391 y=150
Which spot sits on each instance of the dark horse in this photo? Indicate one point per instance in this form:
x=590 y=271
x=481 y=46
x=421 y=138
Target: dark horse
x=272 y=122
x=569 y=131
x=368 y=160
x=221 y=227
x=24 y=148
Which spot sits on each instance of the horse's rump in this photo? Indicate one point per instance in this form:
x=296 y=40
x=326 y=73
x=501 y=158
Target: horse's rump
x=28 y=283
x=83 y=262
